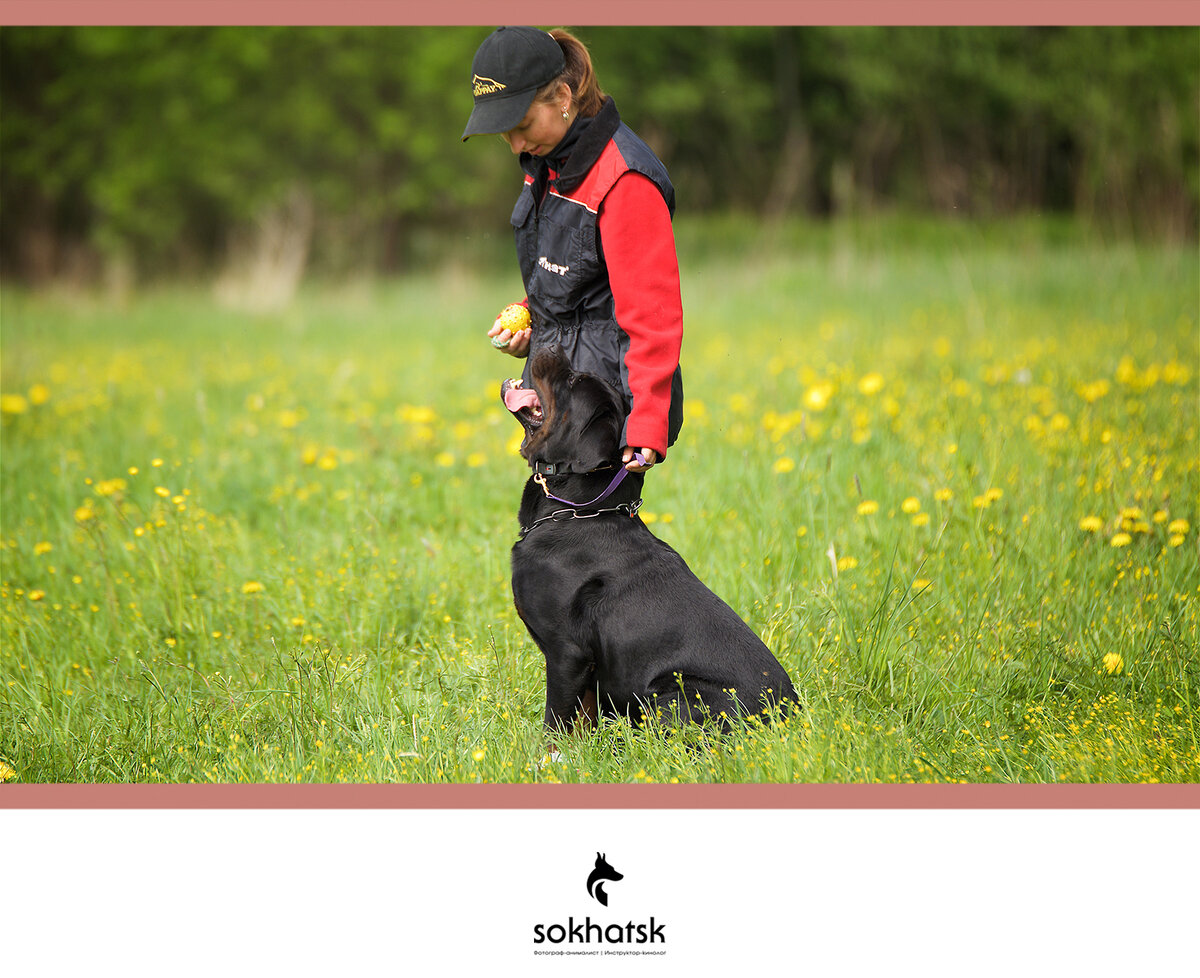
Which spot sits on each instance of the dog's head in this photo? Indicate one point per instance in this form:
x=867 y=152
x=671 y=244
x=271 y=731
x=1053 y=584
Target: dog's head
x=571 y=419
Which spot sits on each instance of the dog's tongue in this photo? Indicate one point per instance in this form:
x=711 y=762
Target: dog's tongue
x=516 y=398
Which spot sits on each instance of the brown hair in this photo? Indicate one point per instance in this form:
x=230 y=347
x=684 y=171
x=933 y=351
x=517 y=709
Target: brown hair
x=586 y=96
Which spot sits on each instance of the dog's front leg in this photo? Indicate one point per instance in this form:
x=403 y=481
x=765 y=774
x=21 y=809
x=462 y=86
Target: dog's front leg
x=570 y=692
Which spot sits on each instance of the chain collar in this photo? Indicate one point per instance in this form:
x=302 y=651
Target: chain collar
x=562 y=515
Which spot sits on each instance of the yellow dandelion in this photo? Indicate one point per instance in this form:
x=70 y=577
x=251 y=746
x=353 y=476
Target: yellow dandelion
x=39 y=394
x=42 y=548
x=1177 y=540
x=476 y=459
x=847 y=563
x=1178 y=527
x=1121 y=540
x=911 y=505
x=1161 y=516
x=252 y=587
x=110 y=487
x=994 y=494
x=1113 y=664
x=7 y=771
x=13 y=404
x=921 y=519
x=816 y=398
x=416 y=415
x=1091 y=524
x=922 y=584
x=868 y=507
x=783 y=465
x=871 y=383
x=943 y=495
x=162 y=491
x=36 y=595
x=298 y=622
x=289 y=418
x=85 y=513
x=479 y=754
x=444 y=459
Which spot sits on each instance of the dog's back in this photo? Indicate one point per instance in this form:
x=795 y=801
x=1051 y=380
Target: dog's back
x=659 y=640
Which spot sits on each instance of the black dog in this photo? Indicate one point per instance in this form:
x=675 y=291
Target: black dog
x=625 y=626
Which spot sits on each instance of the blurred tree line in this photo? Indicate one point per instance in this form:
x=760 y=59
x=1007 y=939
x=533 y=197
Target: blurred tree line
x=135 y=151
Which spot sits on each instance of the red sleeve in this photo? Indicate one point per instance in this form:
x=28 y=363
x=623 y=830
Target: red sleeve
x=643 y=272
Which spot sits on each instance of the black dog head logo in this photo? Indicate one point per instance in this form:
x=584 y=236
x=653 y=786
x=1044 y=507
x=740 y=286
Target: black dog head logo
x=603 y=873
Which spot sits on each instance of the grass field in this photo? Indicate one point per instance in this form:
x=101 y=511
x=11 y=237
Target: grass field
x=950 y=475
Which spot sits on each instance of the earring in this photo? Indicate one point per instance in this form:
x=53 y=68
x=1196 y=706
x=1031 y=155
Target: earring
x=566 y=114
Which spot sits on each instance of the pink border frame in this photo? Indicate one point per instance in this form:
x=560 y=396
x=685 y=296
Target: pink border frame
x=617 y=796
x=468 y=796
x=609 y=12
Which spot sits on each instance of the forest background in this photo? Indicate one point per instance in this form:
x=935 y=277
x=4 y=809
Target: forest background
x=254 y=156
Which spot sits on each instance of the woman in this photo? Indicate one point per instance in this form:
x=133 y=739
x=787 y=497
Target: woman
x=592 y=227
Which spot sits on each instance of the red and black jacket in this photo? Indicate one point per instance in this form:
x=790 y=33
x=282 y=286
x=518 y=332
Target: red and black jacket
x=597 y=256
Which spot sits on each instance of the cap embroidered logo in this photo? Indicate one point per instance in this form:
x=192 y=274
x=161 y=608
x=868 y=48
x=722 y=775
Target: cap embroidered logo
x=486 y=86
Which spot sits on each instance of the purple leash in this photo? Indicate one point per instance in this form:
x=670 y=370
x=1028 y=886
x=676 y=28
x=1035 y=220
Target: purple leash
x=617 y=480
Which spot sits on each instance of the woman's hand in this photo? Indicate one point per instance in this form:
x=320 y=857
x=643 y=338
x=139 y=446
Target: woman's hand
x=514 y=343
x=633 y=465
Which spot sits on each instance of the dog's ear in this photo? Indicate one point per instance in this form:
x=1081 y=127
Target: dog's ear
x=596 y=414
x=583 y=416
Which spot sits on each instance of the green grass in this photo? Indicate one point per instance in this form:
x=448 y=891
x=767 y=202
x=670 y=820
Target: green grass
x=275 y=547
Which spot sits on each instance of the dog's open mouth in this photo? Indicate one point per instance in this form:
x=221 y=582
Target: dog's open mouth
x=523 y=402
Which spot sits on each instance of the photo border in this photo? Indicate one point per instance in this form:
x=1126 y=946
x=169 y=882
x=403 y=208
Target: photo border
x=607 y=796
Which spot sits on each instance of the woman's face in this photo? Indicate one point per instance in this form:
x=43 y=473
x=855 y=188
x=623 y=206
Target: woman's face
x=542 y=128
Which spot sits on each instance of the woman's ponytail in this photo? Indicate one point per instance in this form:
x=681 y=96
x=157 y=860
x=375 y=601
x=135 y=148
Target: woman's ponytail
x=586 y=96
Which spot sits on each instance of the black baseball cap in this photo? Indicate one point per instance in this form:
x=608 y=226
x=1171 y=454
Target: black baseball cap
x=509 y=67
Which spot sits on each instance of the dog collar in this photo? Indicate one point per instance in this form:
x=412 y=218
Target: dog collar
x=562 y=515
x=566 y=468
x=540 y=479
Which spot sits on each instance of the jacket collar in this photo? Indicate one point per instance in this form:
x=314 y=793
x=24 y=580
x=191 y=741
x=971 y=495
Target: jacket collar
x=572 y=158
